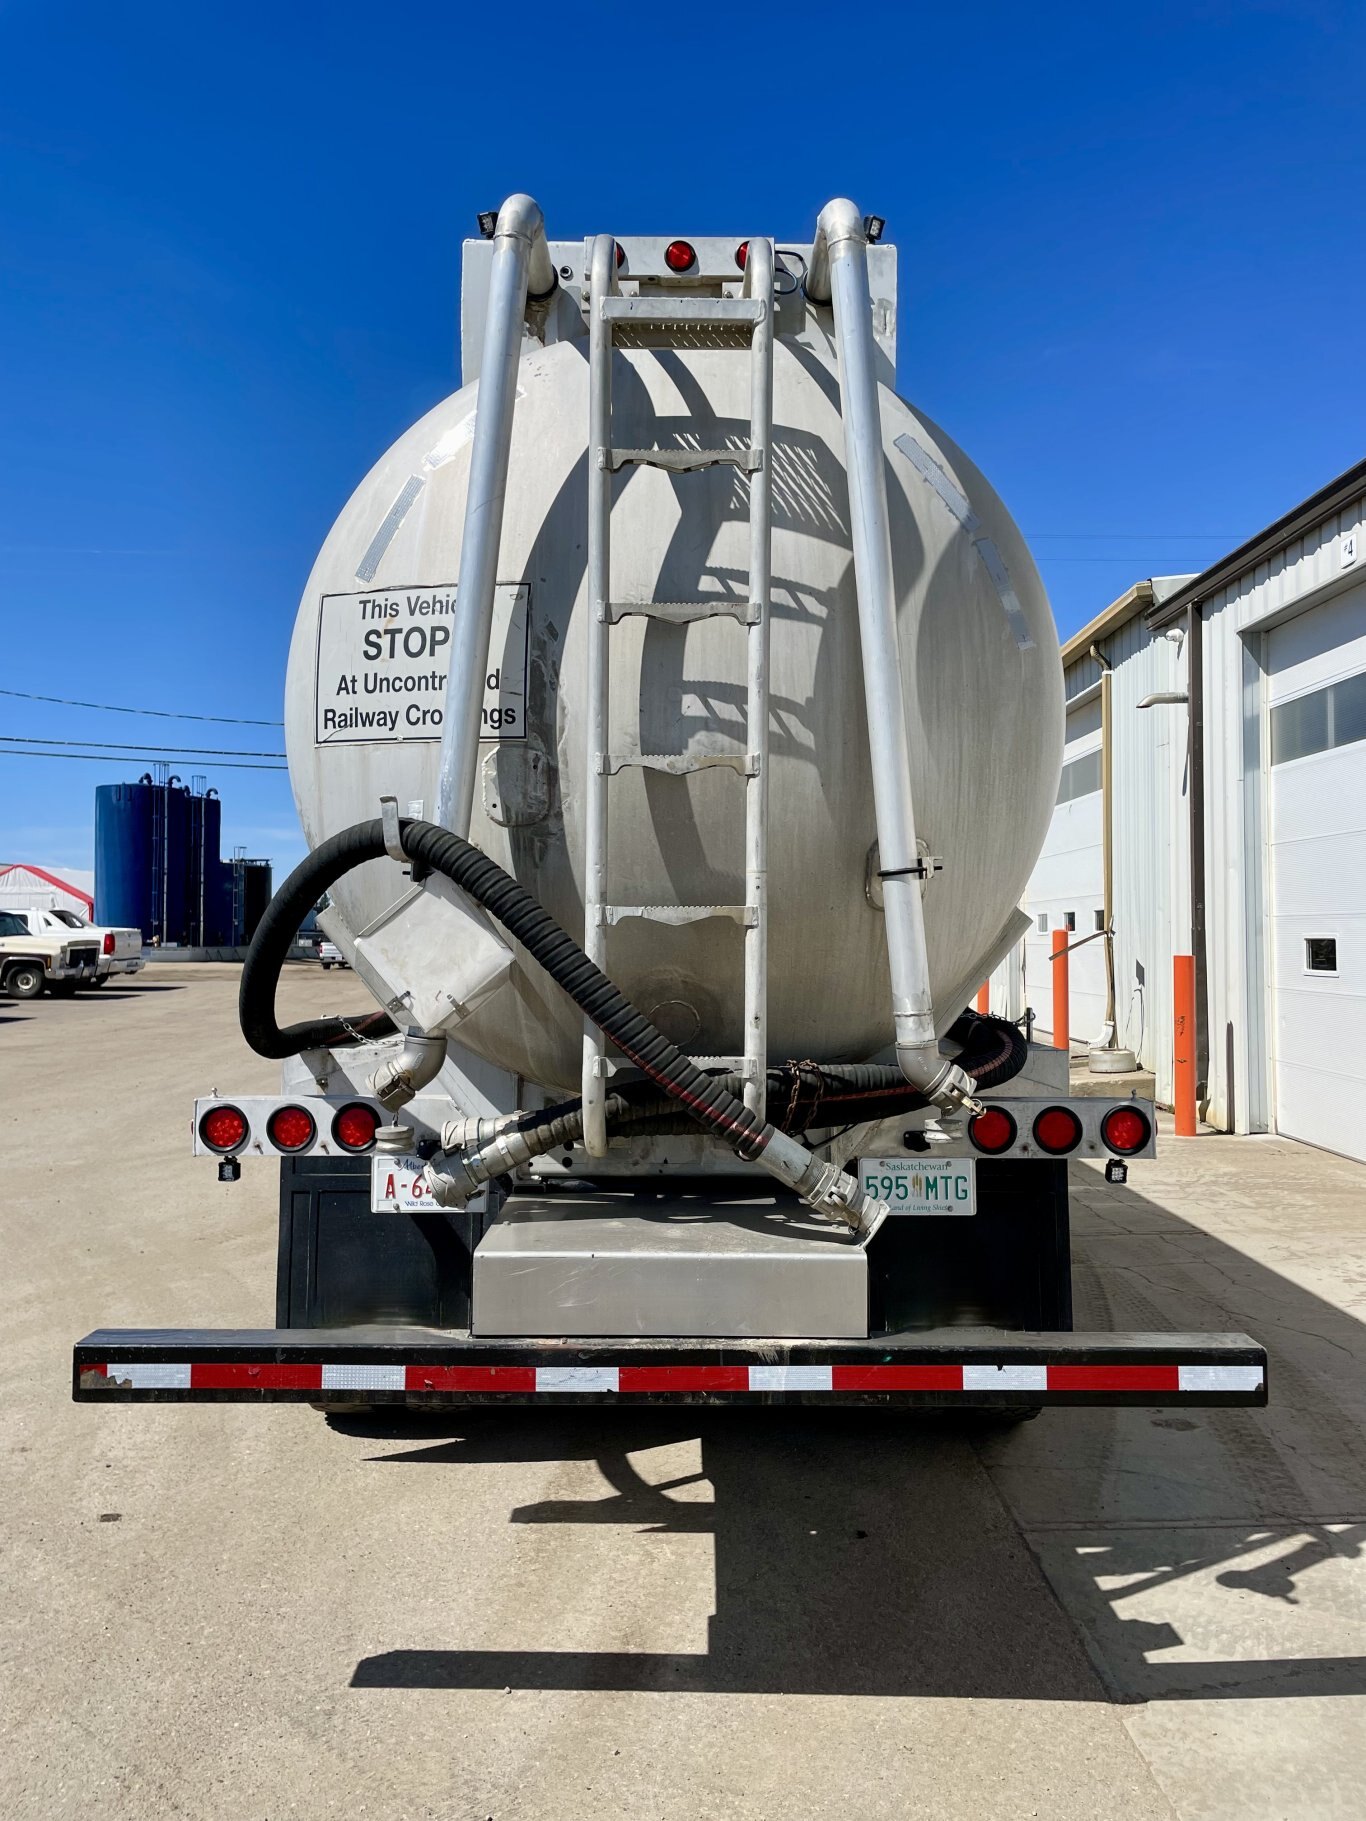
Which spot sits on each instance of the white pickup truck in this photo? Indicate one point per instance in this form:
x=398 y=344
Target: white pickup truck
x=120 y=950
x=55 y=961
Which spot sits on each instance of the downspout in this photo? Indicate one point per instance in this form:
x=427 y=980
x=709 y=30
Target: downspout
x=838 y=275
x=1195 y=759
x=1110 y=1039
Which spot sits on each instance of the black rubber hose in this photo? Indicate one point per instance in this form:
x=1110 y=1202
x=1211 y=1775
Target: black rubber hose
x=439 y=850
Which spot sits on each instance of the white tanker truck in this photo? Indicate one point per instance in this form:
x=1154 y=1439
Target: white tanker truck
x=674 y=716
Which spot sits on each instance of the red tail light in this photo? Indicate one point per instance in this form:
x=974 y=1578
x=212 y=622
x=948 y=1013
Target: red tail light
x=1125 y=1129
x=355 y=1126
x=224 y=1129
x=291 y=1128
x=1057 y=1130
x=679 y=256
x=992 y=1131
x=107 y=946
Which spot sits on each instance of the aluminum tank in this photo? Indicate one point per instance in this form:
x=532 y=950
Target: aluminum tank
x=981 y=673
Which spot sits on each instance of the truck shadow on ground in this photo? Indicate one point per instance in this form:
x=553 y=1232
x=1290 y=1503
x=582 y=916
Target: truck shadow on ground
x=889 y=1553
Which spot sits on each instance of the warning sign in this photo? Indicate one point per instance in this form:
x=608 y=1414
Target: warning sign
x=383 y=660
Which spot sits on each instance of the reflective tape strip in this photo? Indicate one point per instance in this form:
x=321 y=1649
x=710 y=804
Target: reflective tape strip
x=658 y=1379
x=929 y=470
x=470 y=1378
x=393 y=518
x=1005 y=1378
x=994 y=564
x=1113 y=1378
x=365 y=1378
x=791 y=1378
x=256 y=1375
x=150 y=1374
x=1219 y=1378
x=897 y=1378
x=577 y=1378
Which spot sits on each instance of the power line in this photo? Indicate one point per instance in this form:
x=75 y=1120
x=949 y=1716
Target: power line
x=116 y=758
x=165 y=714
x=203 y=752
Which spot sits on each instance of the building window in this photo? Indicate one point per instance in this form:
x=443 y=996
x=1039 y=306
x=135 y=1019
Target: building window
x=1335 y=716
x=1100 y=920
x=1080 y=777
x=1320 y=954
x=1042 y=921
x=1070 y=919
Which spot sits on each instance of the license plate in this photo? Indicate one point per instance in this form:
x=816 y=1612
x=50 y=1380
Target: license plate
x=915 y=1185
x=397 y=1186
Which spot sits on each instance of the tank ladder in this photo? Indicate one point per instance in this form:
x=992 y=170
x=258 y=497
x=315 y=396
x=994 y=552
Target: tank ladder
x=675 y=322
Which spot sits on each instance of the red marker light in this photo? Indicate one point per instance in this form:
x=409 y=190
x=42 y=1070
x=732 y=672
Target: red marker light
x=1056 y=1130
x=993 y=1131
x=679 y=256
x=291 y=1128
x=621 y=254
x=1125 y=1129
x=742 y=254
x=224 y=1129
x=355 y=1126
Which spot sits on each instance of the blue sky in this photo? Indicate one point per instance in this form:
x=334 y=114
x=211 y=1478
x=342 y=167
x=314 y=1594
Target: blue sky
x=1131 y=277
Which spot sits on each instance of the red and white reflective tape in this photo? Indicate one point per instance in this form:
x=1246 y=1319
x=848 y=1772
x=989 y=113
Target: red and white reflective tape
x=244 y=1375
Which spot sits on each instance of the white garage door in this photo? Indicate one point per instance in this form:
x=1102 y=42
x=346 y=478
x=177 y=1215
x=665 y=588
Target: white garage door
x=1317 y=692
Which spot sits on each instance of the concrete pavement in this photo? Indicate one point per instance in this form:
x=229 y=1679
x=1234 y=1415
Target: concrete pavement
x=225 y=1612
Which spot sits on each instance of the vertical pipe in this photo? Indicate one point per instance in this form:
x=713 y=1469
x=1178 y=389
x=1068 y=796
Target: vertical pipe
x=1183 y=1043
x=1062 y=1011
x=984 y=998
x=759 y=284
x=1107 y=862
x=840 y=262
x=602 y=282
x=519 y=254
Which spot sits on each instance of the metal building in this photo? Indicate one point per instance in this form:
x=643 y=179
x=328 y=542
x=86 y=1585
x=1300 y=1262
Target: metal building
x=1238 y=806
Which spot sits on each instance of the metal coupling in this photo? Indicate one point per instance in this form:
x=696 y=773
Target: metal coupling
x=395 y=1081
x=937 y=1078
x=394 y=1140
x=451 y=1182
x=468 y=1134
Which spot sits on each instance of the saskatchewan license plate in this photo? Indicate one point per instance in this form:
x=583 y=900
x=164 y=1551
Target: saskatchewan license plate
x=915 y=1185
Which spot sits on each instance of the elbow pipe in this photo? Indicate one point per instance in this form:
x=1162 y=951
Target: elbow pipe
x=397 y=1080
x=839 y=221
x=520 y=219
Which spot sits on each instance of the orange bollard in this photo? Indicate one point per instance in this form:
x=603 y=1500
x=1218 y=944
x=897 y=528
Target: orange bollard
x=1062 y=1020
x=984 y=998
x=1183 y=1043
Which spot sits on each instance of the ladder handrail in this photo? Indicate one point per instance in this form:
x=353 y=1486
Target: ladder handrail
x=602 y=283
x=759 y=263
x=521 y=267
x=839 y=271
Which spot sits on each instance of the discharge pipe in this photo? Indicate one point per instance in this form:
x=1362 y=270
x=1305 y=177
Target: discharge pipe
x=521 y=268
x=838 y=275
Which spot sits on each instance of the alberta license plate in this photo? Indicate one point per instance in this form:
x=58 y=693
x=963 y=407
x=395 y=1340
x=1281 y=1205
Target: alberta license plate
x=397 y=1186
x=916 y=1185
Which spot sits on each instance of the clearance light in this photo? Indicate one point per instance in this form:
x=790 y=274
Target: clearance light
x=742 y=254
x=679 y=256
x=621 y=254
x=993 y=1131
x=224 y=1129
x=291 y=1129
x=1125 y=1129
x=1057 y=1130
x=355 y=1126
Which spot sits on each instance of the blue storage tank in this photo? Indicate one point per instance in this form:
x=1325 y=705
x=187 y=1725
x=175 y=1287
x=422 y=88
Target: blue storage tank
x=125 y=872
x=157 y=865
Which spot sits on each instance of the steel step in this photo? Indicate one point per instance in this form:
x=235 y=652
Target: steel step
x=746 y=915
x=684 y=312
x=681 y=613
x=681 y=461
x=679 y=764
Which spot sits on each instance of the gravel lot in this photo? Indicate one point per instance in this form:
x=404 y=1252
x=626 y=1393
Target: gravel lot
x=248 y=1614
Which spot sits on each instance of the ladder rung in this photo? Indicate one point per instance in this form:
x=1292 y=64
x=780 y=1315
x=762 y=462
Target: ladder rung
x=680 y=613
x=681 y=461
x=686 y=312
x=679 y=764
x=744 y=914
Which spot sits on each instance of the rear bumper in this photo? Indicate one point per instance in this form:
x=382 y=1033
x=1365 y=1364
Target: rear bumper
x=947 y=1369
x=123 y=965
